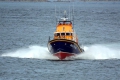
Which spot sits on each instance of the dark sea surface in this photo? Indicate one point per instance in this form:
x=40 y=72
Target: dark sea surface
x=26 y=26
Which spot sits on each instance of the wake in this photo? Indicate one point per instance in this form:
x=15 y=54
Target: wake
x=38 y=52
x=97 y=51
x=100 y=52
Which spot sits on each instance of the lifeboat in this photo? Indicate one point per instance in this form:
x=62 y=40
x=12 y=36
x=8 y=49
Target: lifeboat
x=65 y=42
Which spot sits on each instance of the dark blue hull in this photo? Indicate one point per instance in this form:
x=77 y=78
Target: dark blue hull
x=64 y=46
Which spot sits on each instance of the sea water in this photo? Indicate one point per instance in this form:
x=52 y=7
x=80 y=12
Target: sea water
x=26 y=26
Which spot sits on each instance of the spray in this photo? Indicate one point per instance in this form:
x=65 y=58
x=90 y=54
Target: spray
x=38 y=52
x=97 y=51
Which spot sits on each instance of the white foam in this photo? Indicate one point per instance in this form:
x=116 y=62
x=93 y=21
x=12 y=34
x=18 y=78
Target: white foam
x=99 y=51
x=31 y=52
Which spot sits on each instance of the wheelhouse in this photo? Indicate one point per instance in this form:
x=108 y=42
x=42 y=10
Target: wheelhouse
x=65 y=22
x=63 y=35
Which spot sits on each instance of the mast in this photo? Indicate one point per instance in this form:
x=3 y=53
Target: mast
x=73 y=15
x=55 y=14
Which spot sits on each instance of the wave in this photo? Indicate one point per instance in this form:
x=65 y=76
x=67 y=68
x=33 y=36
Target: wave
x=96 y=51
x=99 y=51
x=38 y=52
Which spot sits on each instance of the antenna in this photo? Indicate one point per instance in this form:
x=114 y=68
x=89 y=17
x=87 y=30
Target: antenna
x=65 y=13
x=69 y=13
x=65 y=16
x=55 y=14
x=59 y=13
x=73 y=15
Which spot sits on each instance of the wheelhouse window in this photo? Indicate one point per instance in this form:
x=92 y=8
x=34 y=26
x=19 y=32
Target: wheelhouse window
x=62 y=34
x=57 y=34
x=67 y=34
